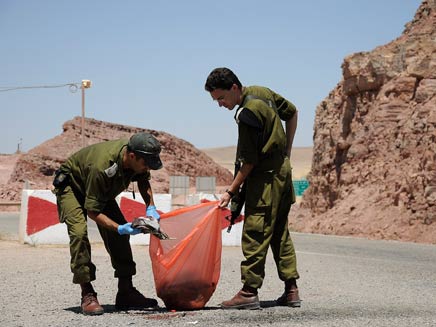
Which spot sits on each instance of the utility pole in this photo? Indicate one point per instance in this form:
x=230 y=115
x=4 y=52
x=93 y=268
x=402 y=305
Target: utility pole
x=86 y=84
x=19 y=146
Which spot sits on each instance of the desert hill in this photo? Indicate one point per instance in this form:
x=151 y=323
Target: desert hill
x=374 y=158
x=180 y=158
x=38 y=165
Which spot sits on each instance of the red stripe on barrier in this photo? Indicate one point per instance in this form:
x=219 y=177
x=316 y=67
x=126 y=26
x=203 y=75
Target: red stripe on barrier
x=132 y=209
x=40 y=215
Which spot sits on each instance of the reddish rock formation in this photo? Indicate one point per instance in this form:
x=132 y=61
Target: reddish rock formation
x=179 y=157
x=374 y=162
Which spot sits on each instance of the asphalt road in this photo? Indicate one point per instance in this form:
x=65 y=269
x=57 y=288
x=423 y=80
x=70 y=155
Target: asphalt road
x=344 y=282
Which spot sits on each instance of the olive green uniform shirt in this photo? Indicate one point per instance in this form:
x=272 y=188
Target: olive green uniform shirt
x=96 y=173
x=261 y=133
x=269 y=191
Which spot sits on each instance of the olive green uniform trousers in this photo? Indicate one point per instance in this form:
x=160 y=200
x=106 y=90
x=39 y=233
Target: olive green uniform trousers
x=73 y=214
x=269 y=195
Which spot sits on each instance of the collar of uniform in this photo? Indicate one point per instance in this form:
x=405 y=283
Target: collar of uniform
x=243 y=95
x=122 y=171
x=241 y=106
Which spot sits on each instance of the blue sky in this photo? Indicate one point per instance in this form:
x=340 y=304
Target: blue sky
x=148 y=60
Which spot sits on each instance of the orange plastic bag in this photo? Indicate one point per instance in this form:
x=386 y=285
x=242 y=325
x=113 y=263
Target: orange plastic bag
x=186 y=270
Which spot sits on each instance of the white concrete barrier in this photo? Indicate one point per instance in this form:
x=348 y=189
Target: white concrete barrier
x=39 y=222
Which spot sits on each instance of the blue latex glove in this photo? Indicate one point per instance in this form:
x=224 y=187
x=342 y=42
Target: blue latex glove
x=127 y=229
x=152 y=212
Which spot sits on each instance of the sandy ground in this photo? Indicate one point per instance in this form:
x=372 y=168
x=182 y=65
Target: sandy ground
x=7 y=164
x=344 y=282
x=301 y=159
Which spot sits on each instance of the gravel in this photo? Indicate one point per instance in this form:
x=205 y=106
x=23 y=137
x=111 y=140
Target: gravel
x=344 y=282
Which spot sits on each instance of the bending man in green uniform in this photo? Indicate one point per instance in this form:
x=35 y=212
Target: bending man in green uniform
x=263 y=153
x=86 y=185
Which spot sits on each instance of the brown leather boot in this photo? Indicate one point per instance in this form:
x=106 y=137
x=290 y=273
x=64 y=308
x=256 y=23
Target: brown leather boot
x=132 y=299
x=242 y=300
x=90 y=305
x=289 y=298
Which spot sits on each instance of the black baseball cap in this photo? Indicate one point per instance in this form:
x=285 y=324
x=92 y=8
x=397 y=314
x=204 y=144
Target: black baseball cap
x=148 y=147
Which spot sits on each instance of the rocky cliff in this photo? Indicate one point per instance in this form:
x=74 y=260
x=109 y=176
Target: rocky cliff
x=374 y=162
x=178 y=156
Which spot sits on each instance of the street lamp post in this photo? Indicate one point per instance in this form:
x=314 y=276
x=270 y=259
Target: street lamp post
x=86 y=84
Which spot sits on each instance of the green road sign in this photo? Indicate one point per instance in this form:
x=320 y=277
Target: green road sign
x=300 y=185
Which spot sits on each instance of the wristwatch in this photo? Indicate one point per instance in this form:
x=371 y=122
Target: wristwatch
x=230 y=193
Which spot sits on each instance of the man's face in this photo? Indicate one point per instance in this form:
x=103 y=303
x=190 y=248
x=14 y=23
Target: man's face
x=138 y=164
x=227 y=98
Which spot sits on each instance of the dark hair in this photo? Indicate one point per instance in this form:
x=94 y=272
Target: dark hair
x=221 y=78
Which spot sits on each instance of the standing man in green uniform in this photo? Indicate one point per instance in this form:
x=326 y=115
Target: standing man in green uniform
x=87 y=185
x=263 y=153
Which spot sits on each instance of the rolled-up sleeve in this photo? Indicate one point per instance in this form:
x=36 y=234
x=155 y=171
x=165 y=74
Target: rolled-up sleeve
x=285 y=109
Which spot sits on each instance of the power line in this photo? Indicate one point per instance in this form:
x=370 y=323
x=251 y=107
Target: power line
x=73 y=87
x=85 y=84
